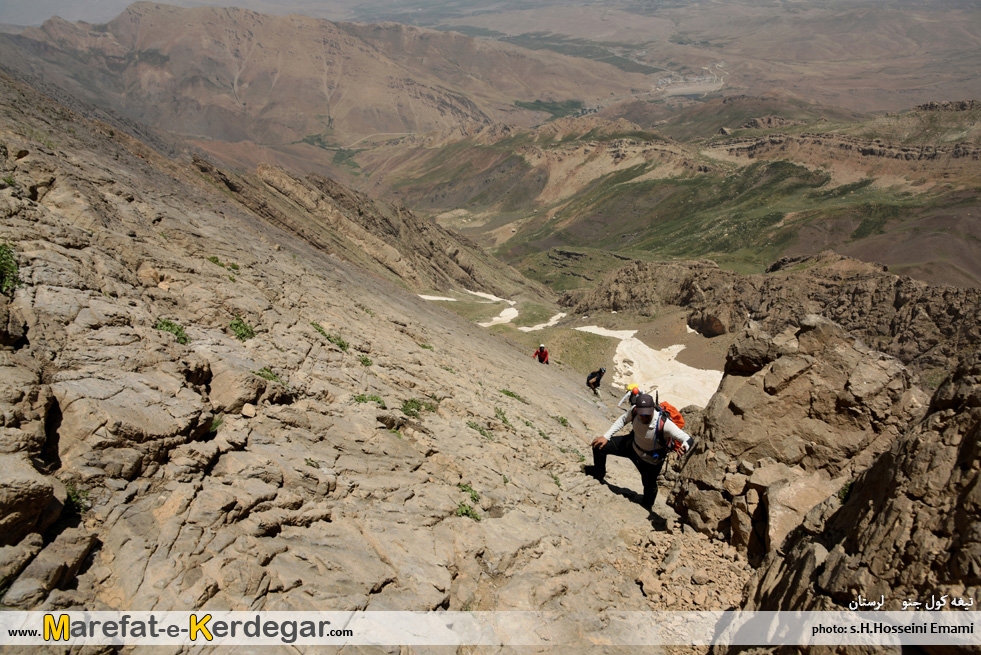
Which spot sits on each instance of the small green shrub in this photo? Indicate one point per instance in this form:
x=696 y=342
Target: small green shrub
x=233 y=266
x=426 y=346
x=464 y=509
x=412 y=407
x=341 y=343
x=77 y=501
x=448 y=368
x=174 y=328
x=563 y=421
x=8 y=180
x=541 y=433
x=362 y=398
x=501 y=416
x=311 y=462
x=215 y=424
x=845 y=492
x=506 y=481
x=333 y=338
x=473 y=494
x=267 y=374
x=9 y=271
x=365 y=360
x=555 y=479
x=473 y=425
x=511 y=394
x=241 y=329
x=215 y=260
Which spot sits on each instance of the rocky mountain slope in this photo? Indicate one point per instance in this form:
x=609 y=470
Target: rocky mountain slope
x=202 y=407
x=906 y=529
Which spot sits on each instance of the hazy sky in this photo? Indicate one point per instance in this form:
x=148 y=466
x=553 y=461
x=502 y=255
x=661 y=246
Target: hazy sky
x=35 y=12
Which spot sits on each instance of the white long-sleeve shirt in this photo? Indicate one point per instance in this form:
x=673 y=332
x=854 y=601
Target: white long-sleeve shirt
x=626 y=398
x=645 y=434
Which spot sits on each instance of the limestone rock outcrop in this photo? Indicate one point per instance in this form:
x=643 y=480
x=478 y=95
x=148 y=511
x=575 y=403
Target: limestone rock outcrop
x=908 y=527
x=795 y=418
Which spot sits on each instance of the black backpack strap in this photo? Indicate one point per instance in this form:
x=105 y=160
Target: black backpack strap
x=662 y=416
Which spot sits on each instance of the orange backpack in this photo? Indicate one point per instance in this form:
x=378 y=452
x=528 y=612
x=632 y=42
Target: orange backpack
x=673 y=413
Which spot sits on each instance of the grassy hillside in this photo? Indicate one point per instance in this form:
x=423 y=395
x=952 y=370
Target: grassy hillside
x=591 y=185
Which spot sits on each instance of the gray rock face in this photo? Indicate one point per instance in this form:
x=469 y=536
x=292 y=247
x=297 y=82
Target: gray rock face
x=24 y=495
x=800 y=414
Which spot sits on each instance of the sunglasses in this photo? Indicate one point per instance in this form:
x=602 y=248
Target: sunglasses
x=646 y=418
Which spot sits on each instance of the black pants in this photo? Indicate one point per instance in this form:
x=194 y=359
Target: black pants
x=623 y=446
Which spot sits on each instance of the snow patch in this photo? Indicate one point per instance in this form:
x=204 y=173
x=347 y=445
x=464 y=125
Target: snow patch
x=541 y=326
x=637 y=363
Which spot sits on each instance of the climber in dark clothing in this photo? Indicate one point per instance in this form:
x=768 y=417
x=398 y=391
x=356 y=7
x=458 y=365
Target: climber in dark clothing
x=593 y=380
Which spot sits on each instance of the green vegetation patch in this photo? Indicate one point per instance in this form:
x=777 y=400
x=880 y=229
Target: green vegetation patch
x=413 y=407
x=473 y=425
x=9 y=271
x=362 y=398
x=77 y=500
x=556 y=109
x=511 y=394
x=174 y=328
x=266 y=374
x=474 y=497
x=242 y=330
x=463 y=509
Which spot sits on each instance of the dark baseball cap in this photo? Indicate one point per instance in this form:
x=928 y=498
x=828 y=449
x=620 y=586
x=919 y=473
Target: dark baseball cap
x=644 y=405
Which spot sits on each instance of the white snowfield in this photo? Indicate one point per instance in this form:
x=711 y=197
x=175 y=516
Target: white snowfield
x=637 y=363
x=437 y=298
x=541 y=326
x=506 y=316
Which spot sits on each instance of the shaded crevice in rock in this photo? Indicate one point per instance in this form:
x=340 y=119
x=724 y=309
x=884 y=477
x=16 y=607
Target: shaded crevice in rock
x=49 y=458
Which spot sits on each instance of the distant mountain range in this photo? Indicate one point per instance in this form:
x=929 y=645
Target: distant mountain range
x=526 y=149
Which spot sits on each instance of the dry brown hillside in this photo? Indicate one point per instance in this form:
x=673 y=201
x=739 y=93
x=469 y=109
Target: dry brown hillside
x=296 y=84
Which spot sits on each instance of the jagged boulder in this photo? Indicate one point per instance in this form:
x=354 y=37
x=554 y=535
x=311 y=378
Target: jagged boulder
x=909 y=528
x=794 y=419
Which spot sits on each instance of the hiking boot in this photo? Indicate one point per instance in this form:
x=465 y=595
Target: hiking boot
x=591 y=470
